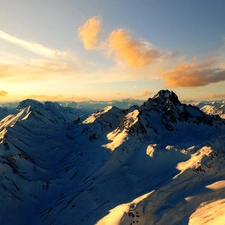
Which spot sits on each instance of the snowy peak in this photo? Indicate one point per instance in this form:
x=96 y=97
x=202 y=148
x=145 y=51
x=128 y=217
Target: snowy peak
x=166 y=96
x=34 y=104
x=164 y=100
x=103 y=113
x=166 y=108
x=50 y=111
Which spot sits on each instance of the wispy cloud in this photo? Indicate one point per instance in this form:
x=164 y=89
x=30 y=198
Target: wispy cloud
x=145 y=93
x=32 y=46
x=3 y=93
x=58 y=97
x=88 y=33
x=214 y=96
x=194 y=74
x=51 y=63
x=37 y=70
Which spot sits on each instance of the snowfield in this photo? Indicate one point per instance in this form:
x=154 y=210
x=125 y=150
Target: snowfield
x=155 y=164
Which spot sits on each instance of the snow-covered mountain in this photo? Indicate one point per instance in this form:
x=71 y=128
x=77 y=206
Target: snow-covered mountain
x=91 y=106
x=210 y=107
x=158 y=163
x=213 y=107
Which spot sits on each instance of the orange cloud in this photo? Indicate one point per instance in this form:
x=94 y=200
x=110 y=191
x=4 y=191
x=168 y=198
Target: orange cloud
x=58 y=97
x=145 y=93
x=3 y=93
x=135 y=53
x=214 y=96
x=120 y=45
x=36 y=70
x=88 y=33
x=194 y=74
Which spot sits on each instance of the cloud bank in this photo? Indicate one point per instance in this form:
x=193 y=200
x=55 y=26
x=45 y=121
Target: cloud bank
x=58 y=97
x=194 y=74
x=214 y=96
x=36 y=70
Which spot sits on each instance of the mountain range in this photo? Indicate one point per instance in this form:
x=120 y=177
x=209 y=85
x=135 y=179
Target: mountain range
x=161 y=162
x=216 y=107
x=213 y=107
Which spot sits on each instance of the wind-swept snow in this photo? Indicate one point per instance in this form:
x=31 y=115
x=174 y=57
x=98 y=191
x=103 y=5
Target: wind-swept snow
x=209 y=213
x=123 y=214
x=195 y=161
x=216 y=185
x=96 y=115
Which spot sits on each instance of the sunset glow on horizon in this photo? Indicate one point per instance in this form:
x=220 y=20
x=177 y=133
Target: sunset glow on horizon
x=111 y=50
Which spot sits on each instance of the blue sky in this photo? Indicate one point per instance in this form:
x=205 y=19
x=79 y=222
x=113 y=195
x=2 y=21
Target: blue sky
x=133 y=49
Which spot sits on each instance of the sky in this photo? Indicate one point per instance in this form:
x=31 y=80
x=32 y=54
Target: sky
x=78 y=50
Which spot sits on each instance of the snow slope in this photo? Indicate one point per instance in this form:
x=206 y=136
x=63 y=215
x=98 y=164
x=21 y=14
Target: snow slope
x=150 y=164
x=213 y=107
